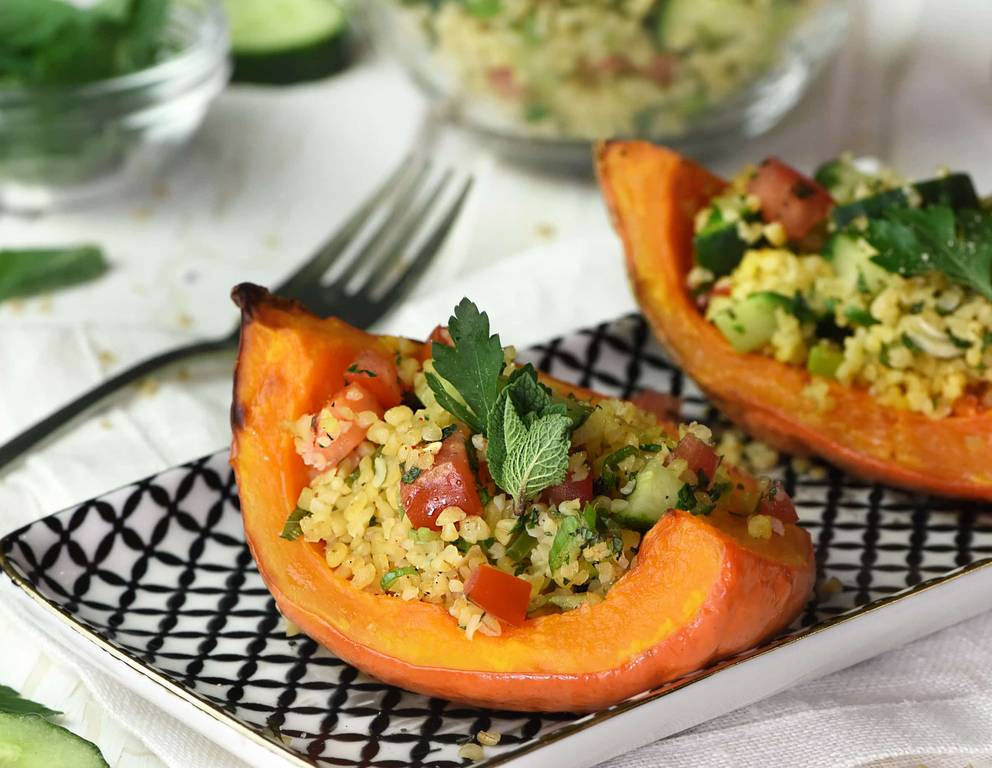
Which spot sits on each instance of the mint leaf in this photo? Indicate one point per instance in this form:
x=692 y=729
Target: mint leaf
x=916 y=241
x=472 y=367
x=28 y=271
x=13 y=703
x=531 y=458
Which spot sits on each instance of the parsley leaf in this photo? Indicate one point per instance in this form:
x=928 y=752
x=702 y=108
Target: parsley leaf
x=472 y=367
x=12 y=702
x=915 y=241
x=529 y=457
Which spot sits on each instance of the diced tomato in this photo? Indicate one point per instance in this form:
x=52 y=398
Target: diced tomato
x=441 y=335
x=744 y=494
x=662 y=68
x=571 y=489
x=613 y=64
x=776 y=503
x=449 y=483
x=700 y=457
x=663 y=405
x=786 y=196
x=504 y=82
x=345 y=406
x=504 y=596
x=376 y=372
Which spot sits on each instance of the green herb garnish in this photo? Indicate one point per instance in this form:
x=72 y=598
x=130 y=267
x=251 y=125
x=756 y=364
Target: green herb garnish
x=29 y=271
x=353 y=368
x=397 y=573
x=13 y=703
x=292 y=530
x=528 y=427
x=411 y=475
x=858 y=316
x=472 y=367
x=915 y=241
x=55 y=43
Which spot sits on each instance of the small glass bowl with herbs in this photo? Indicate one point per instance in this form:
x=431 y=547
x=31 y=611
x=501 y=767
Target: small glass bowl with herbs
x=557 y=75
x=94 y=96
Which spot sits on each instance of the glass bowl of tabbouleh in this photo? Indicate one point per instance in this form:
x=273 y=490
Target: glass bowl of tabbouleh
x=561 y=74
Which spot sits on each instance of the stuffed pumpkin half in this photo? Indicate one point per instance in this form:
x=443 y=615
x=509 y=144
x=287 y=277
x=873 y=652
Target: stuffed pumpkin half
x=456 y=524
x=847 y=315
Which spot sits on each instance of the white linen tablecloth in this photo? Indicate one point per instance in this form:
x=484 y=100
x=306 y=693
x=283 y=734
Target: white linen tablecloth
x=268 y=178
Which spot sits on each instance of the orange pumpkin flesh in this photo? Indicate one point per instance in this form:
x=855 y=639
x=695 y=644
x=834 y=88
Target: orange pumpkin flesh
x=701 y=589
x=653 y=194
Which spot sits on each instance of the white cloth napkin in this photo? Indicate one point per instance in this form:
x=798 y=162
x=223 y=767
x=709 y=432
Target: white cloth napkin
x=928 y=703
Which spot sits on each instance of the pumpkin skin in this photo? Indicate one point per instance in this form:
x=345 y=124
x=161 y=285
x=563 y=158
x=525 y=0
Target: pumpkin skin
x=701 y=589
x=653 y=194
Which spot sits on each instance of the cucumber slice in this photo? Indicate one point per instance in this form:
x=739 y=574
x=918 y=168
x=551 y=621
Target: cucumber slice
x=29 y=741
x=955 y=190
x=655 y=492
x=824 y=359
x=287 y=41
x=719 y=250
x=750 y=323
x=851 y=259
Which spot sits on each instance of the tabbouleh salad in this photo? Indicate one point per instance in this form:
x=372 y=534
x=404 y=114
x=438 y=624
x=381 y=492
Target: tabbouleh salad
x=858 y=275
x=448 y=473
x=587 y=69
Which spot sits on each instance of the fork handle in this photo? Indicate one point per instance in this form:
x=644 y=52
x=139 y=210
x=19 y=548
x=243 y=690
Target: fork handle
x=44 y=428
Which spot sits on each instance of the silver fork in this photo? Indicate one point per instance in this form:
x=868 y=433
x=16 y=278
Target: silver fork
x=368 y=265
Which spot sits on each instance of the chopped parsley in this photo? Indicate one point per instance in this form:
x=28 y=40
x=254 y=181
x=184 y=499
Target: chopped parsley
x=397 y=573
x=411 y=475
x=916 y=241
x=292 y=530
x=353 y=368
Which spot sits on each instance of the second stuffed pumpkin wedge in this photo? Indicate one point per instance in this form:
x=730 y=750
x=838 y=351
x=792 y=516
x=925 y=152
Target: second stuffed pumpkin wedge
x=848 y=316
x=449 y=522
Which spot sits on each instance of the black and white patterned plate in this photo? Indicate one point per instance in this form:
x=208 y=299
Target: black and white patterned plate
x=158 y=574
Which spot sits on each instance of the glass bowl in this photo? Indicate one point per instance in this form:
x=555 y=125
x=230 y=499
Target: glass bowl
x=65 y=145
x=546 y=78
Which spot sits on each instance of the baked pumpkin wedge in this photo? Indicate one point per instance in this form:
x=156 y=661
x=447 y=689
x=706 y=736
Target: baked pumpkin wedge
x=654 y=195
x=699 y=585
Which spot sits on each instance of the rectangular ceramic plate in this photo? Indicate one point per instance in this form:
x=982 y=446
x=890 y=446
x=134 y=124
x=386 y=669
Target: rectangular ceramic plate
x=157 y=576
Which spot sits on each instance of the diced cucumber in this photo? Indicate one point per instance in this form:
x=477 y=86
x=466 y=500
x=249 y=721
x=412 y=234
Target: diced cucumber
x=707 y=24
x=749 y=324
x=824 y=360
x=955 y=190
x=719 y=250
x=656 y=491
x=286 y=41
x=568 y=602
x=851 y=259
x=840 y=178
x=30 y=741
